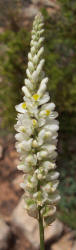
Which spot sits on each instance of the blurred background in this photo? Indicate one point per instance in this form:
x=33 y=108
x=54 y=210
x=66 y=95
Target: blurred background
x=17 y=231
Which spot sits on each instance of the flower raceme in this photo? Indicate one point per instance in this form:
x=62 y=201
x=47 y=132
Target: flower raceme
x=37 y=131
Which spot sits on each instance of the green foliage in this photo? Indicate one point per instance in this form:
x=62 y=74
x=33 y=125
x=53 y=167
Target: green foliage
x=67 y=168
x=68 y=218
x=11 y=14
x=13 y=66
x=68 y=183
x=60 y=45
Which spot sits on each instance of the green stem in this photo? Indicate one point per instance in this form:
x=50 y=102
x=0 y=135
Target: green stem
x=41 y=230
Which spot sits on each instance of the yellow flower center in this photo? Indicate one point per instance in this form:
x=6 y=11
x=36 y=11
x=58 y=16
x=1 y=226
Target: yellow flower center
x=24 y=105
x=35 y=97
x=23 y=129
x=47 y=112
x=34 y=122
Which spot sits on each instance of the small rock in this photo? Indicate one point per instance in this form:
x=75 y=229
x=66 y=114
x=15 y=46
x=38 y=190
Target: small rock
x=35 y=1
x=47 y=3
x=74 y=246
x=65 y=243
x=1 y=151
x=5 y=234
x=29 y=226
x=30 y=11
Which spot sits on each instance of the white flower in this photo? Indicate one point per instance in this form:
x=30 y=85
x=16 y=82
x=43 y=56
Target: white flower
x=21 y=107
x=42 y=87
x=53 y=176
x=24 y=124
x=24 y=145
x=37 y=131
x=30 y=66
x=44 y=99
x=47 y=165
x=26 y=91
x=35 y=59
x=32 y=50
x=28 y=74
x=53 y=126
x=34 y=76
x=41 y=40
x=30 y=56
x=42 y=155
x=40 y=52
x=31 y=160
x=28 y=83
x=40 y=66
x=50 y=188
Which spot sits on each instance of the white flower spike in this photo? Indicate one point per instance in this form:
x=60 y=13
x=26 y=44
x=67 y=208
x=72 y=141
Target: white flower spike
x=37 y=130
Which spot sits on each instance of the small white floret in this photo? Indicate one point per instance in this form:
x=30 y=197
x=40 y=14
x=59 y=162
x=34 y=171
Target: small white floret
x=40 y=52
x=28 y=83
x=26 y=91
x=40 y=66
x=21 y=107
x=30 y=66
